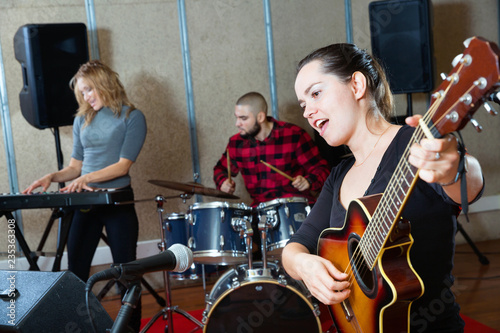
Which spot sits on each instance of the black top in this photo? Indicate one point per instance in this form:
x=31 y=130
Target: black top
x=432 y=215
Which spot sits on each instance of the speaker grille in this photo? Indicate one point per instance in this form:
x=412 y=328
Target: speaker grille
x=50 y=54
x=48 y=302
x=402 y=41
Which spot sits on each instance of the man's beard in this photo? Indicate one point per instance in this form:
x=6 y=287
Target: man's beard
x=253 y=131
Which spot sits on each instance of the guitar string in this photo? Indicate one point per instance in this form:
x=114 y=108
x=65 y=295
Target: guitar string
x=377 y=228
x=426 y=119
x=372 y=232
x=376 y=220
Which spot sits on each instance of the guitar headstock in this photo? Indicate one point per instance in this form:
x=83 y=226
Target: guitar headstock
x=474 y=77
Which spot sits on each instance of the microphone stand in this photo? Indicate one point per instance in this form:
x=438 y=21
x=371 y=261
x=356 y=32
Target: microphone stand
x=169 y=309
x=128 y=305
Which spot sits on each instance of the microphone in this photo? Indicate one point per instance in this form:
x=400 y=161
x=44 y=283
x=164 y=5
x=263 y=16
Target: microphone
x=177 y=258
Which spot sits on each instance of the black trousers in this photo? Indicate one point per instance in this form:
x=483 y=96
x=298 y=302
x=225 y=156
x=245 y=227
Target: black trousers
x=122 y=230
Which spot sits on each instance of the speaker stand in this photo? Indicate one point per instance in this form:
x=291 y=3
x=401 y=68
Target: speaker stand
x=482 y=258
x=409 y=103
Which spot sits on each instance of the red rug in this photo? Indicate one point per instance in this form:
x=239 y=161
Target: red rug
x=183 y=325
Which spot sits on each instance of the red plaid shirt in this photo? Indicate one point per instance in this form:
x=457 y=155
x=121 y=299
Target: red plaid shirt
x=288 y=148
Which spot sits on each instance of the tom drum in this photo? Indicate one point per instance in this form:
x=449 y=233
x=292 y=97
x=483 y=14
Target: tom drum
x=215 y=237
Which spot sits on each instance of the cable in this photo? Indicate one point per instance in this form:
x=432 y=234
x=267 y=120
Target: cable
x=477 y=278
x=87 y=303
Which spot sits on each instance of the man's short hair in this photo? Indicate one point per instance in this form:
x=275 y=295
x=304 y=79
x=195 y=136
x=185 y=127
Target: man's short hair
x=255 y=100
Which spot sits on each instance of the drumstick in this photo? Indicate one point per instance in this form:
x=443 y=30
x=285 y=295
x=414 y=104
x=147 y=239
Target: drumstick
x=277 y=170
x=228 y=165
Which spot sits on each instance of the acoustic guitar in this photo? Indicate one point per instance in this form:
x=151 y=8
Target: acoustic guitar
x=374 y=243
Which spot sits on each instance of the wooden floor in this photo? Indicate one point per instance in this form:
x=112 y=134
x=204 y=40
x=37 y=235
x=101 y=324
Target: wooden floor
x=477 y=288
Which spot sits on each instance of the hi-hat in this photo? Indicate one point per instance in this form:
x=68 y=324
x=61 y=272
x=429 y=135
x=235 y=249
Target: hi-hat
x=193 y=188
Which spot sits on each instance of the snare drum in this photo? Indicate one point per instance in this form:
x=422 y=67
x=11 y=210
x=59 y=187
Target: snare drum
x=214 y=237
x=267 y=302
x=286 y=216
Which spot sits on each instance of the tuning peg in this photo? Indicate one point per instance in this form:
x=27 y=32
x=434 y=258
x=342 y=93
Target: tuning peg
x=453 y=78
x=495 y=97
x=481 y=83
x=467 y=41
x=438 y=94
x=476 y=125
x=490 y=109
x=456 y=60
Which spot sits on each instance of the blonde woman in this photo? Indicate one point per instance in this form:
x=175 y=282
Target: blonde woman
x=108 y=134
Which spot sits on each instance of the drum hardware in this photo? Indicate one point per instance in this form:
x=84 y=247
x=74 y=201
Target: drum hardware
x=286 y=216
x=265 y=222
x=243 y=226
x=193 y=188
x=236 y=283
x=271 y=218
x=167 y=311
x=282 y=280
x=191 y=243
x=183 y=196
x=287 y=211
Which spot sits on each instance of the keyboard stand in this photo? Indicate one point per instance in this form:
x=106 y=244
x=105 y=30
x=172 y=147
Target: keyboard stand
x=65 y=217
x=22 y=242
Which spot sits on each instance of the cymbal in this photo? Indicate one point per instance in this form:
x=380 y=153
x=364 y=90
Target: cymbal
x=194 y=188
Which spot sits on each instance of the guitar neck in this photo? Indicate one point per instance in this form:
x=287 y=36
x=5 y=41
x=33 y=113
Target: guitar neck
x=391 y=204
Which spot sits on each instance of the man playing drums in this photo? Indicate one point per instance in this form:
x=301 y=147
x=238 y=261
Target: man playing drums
x=282 y=145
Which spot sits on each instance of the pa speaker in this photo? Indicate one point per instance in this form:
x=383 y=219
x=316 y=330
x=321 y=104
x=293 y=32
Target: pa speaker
x=50 y=55
x=401 y=37
x=33 y=301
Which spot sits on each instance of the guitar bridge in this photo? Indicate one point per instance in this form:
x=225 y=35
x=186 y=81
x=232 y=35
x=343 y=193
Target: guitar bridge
x=346 y=306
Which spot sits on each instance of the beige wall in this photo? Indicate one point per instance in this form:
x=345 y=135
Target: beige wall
x=140 y=40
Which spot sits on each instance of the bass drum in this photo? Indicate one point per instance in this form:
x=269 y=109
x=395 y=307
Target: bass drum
x=260 y=302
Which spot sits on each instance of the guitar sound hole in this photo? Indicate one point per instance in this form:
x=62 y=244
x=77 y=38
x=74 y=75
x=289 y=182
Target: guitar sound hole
x=365 y=278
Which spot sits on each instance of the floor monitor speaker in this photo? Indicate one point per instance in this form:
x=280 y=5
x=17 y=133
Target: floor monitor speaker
x=34 y=301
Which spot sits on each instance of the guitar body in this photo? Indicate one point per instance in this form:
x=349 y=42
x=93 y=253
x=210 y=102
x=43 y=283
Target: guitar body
x=380 y=298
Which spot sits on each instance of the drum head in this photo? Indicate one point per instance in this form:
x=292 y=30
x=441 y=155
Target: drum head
x=262 y=306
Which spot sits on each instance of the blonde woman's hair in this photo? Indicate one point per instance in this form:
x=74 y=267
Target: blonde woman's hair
x=106 y=83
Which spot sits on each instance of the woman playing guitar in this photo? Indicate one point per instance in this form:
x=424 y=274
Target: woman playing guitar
x=346 y=98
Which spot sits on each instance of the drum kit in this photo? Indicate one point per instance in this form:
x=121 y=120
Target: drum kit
x=250 y=296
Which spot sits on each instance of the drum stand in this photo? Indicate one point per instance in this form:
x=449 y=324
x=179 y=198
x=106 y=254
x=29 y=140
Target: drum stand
x=169 y=309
